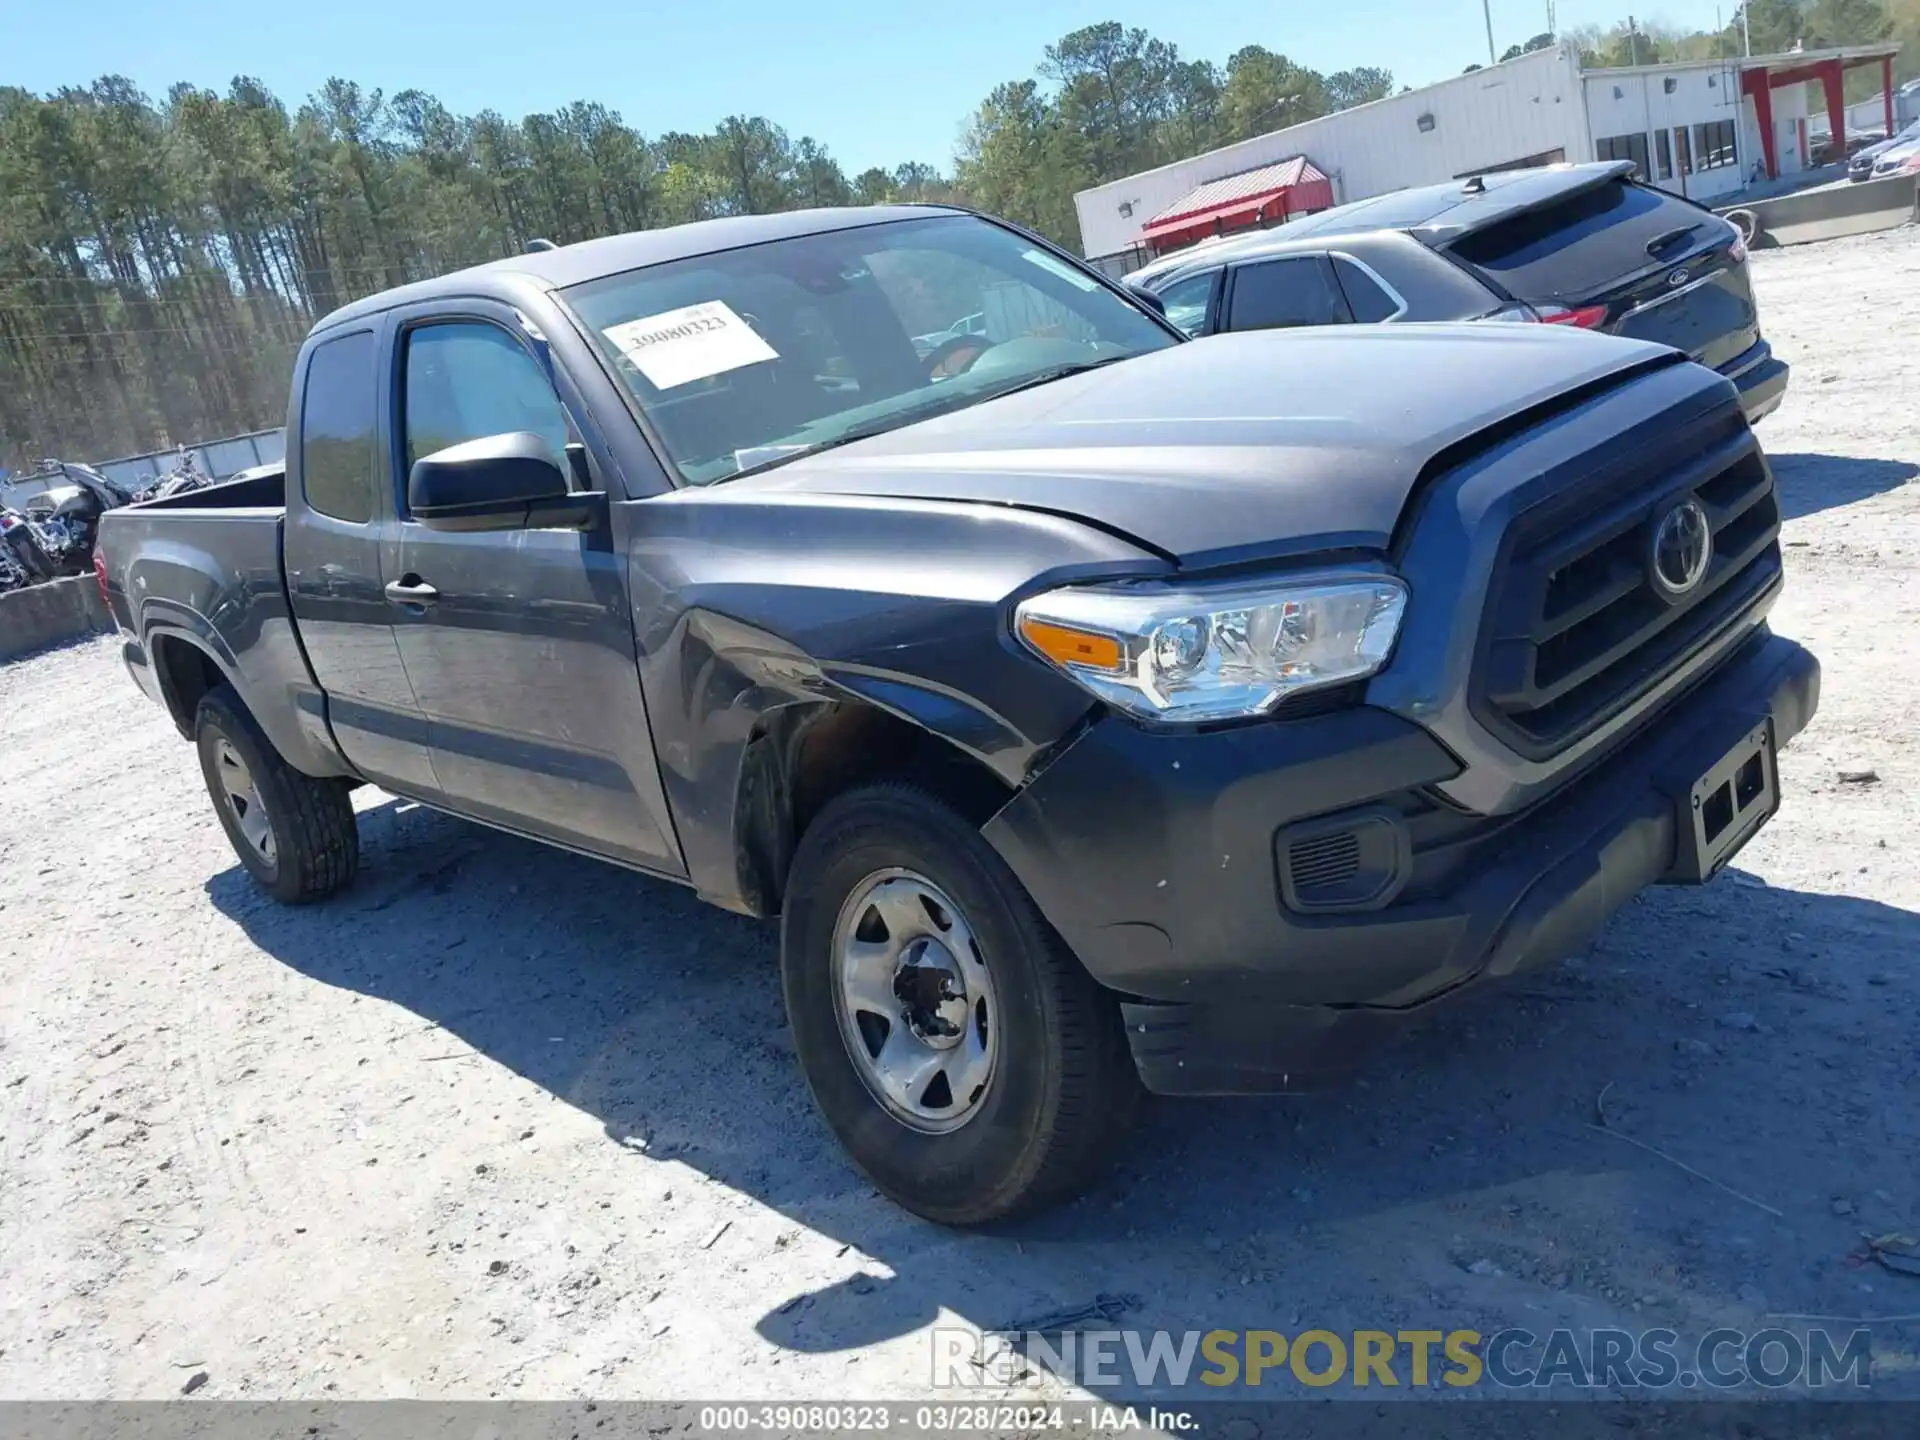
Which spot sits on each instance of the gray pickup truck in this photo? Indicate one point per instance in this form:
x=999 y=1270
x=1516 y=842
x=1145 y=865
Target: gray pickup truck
x=1096 y=709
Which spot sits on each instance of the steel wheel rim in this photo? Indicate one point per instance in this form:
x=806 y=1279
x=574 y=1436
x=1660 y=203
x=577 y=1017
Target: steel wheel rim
x=915 y=1001
x=243 y=799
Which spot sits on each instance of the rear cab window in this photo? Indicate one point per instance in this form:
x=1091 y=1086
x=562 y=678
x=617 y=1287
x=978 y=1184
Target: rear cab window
x=337 y=428
x=1582 y=244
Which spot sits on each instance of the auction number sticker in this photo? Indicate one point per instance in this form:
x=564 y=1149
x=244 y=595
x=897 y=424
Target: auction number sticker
x=695 y=342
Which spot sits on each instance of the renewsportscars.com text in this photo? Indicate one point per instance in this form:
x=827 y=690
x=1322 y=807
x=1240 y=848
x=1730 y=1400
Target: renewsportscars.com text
x=1513 y=1358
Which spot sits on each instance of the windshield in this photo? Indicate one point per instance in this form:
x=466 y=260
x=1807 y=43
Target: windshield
x=748 y=357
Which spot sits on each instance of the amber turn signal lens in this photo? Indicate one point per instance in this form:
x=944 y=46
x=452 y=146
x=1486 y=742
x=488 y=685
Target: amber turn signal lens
x=1064 y=645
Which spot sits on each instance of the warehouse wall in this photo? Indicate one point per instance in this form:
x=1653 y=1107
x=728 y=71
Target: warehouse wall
x=1639 y=102
x=1491 y=117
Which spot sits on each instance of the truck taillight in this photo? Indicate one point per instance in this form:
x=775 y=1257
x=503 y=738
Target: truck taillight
x=1587 y=317
x=100 y=573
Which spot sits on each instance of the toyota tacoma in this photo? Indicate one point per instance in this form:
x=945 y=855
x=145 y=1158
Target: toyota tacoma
x=1097 y=710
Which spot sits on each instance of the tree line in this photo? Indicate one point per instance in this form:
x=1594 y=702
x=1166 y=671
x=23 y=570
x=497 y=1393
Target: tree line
x=160 y=260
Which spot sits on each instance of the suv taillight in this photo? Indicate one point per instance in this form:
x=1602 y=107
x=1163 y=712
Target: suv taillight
x=100 y=574
x=1587 y=317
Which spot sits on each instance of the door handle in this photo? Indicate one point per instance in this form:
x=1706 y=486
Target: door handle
x=411 y=590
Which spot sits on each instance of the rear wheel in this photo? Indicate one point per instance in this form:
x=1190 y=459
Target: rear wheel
x=295 y=834
x=957 y=1050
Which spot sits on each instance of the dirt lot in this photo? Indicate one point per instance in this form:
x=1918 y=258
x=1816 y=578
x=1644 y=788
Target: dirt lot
x=501 y=1121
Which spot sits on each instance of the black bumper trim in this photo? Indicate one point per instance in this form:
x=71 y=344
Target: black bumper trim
x=1229 y=994
x=1761 y=378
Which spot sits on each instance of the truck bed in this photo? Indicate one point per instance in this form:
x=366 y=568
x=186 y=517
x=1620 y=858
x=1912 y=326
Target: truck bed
x=267 y=491
x=201 y=574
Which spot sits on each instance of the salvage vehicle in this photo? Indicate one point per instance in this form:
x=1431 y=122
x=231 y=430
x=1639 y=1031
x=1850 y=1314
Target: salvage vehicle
x=1104 y=711
x=1585 y=246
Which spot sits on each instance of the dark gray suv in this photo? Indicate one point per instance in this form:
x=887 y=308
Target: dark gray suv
x=1579 y=245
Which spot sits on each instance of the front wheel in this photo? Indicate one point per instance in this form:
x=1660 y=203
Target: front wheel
x=957 y=1050
x=295 y=834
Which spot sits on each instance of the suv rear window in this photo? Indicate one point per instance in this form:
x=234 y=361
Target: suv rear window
x=1579 y=246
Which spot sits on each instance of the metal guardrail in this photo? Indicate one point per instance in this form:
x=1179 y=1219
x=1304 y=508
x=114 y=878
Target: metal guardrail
x=217 y=458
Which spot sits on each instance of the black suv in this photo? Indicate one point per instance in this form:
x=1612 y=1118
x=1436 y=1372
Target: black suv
x=1581 y=245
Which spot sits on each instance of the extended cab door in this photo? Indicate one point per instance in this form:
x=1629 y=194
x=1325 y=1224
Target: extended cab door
x=519 y=642
x=338 y=518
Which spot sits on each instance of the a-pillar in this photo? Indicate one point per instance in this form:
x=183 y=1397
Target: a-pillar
x=1756 y=84
x=1832 y=80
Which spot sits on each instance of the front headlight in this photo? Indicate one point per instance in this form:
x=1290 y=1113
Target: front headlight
x=1220 y=651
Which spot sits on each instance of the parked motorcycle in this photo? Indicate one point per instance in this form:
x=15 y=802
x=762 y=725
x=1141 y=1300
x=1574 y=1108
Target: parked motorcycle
x=186 y=475
x=12 y=577
x=65 y=505
x=26 y=547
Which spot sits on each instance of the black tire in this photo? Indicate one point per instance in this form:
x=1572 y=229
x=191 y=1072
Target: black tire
x=1064 y=1088
x=316 y=842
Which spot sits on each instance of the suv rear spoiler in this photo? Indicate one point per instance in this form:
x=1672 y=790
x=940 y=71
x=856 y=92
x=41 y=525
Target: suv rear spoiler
x=1459 y=221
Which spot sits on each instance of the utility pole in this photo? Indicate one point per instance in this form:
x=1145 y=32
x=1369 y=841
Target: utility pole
x=1746 y=31
x=1633 y=42
x=1486 y=9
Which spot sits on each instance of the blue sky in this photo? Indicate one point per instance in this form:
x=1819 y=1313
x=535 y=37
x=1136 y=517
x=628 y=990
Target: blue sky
x=876 y=82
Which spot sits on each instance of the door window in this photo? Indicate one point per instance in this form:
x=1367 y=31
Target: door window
x=466 y=379
x=1280 y=293
x=1186 y=301
x=336 y=429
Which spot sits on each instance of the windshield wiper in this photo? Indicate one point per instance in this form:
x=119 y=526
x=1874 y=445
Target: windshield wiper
x=1050 y=374
x=940 y=405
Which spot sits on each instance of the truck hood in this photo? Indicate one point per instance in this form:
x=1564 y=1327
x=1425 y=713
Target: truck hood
x=1234 y=447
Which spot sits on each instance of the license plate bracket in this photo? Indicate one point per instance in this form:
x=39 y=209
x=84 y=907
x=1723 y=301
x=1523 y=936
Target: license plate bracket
x=1725 y=807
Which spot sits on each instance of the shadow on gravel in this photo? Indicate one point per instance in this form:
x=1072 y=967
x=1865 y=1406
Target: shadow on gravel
x=1460 y=1183
x=1811 y=483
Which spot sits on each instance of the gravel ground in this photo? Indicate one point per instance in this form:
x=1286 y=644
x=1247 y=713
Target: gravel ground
x=502 y=1121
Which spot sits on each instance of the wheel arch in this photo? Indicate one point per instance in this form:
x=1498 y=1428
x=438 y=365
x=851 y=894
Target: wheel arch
x=799 y=758
x=186 y=668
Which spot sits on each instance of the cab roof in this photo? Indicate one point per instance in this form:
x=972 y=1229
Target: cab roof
x=565 y=265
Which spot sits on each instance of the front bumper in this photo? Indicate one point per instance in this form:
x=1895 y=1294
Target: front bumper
x=1761 y=378
x=1159 y=858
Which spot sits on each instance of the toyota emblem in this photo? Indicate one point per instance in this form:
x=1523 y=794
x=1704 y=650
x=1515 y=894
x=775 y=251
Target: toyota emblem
x=1682 y=548
x=1679 y=277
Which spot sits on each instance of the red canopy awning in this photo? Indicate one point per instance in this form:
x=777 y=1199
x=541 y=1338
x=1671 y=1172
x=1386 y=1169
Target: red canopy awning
x=1270 y=192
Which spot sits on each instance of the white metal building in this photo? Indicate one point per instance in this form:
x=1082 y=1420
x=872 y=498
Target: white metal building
x=1702 y=129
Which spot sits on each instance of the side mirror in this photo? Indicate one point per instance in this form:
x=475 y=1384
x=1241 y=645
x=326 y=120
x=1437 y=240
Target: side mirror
x=498 y=482
x=1147 y=298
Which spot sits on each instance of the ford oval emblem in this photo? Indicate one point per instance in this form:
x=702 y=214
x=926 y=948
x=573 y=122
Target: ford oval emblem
x=1679 y=277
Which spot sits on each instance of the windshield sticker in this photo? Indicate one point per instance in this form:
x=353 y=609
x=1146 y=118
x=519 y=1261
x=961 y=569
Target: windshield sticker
x=1054 y=265
x=692 y=343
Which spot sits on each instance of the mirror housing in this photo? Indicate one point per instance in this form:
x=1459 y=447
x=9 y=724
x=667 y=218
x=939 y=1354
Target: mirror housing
x=497 y=482
x=1147 y=298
